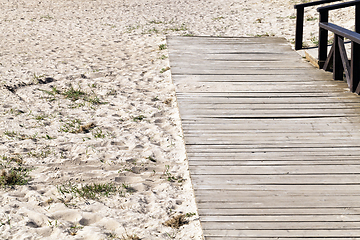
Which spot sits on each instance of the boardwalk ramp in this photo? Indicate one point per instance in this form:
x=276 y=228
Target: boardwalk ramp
x=273 y=143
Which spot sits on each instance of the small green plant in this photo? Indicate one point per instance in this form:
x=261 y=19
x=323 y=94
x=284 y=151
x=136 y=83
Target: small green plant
x=311 y=18
x=53 y=223
x=262 y=35
x=128 y=188
x=47 y=137
x=20 y=136
x=132 y=28
x=111 y=92
x=52 y=93
x=163 y=57
x=155 y=99
x=259 y=20
x=13 y=159
x=16 y=112
x=155 y=22
x=41 y=117
x=110 y=25
x=72 y=126
x=171 y=236
x=305 y=45
x=181 y=28
x=190 y=214
x=164 y=69
x=36 y=78
x=218 y=18
x=40 y=154
x=74 y=229
x=170 y=177
x=151 y=159
x=10 y=134
x=153 y=30
x=48 y=17
x=315 y=41
x=74 y=94
x=139 y=118
x=97 y=133
x=292 y=17
x=162 y=47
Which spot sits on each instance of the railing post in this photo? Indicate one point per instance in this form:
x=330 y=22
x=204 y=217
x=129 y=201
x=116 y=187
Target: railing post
x=355 y=68
x=299 y=27
x=323 y=38
x=355 y=56
x=338 y=69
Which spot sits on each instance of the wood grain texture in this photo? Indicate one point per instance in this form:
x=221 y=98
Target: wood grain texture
x=273 y=144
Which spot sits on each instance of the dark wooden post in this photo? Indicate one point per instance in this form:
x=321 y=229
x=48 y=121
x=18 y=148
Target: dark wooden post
x=355 y=56
x=299 y=27
x=323 y=38
x=355 y=68
x=338 y=69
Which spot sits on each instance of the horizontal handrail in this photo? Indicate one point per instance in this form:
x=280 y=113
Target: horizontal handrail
x=353 y=36
x=338 y=6
x=300 y=20
x=310 y=4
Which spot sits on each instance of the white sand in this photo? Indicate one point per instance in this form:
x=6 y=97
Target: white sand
x=110 y=50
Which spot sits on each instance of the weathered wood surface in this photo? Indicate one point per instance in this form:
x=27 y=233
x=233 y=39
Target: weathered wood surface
x=273 y=143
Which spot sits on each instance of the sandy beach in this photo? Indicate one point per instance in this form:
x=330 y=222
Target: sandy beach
x=89 y=125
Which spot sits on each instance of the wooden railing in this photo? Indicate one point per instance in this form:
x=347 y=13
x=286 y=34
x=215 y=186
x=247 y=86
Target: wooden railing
x=300 y=19
x=337 y=57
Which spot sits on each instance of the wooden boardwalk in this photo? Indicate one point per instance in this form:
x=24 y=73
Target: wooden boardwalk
x=273 y=143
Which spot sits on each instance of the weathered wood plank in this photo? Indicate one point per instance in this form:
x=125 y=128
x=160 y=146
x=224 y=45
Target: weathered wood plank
x=279 y=238
x=252 y=78
x=196 y=161
x=287 y=225
x=355 y=233
x=282 y=179
x=275 y=170
x=279 y=211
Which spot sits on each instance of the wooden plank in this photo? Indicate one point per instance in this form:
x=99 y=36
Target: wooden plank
x=276 y=72
x=244 y=148
x=278 y=238
x=283 y=190
x=218 y=111
x=201 y=64
x=281 y=179
x=252 y=78
x=275 y=170
x=266 y=94
x=288 y=225
x=279 y=211
x=284 y=233
x=196 y=161
x=284 y=218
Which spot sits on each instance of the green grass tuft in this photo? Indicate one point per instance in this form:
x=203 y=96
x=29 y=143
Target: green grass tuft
x=90 y=191
x=14 y=176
